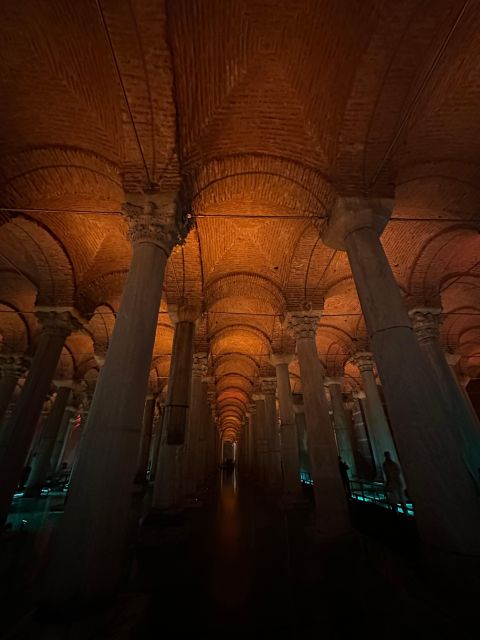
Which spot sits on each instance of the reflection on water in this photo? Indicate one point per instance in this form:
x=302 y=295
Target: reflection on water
x=230 y=571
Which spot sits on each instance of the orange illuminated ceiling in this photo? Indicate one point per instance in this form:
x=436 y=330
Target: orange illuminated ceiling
x=259 y=112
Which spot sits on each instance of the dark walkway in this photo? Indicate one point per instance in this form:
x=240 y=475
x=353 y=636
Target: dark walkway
x=241 y=567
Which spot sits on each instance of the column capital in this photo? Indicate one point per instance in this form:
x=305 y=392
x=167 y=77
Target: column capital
x=350 y=214
x=58 y=322
x=258 y=396
x=184 y=311
x=359 y=394
x=426 y=323
x=330 y=381
x=281 y=358
x=363 y=360
x=15 y=365
x=303 y=324
x=153 y=219
x=452 y=358
x=200 y=366
x=268 y=386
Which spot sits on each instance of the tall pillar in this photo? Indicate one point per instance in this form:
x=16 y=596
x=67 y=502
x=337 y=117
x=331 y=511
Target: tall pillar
x=156 y=439
x=445 y=500
x=93 y=534
x=465 y=426
x=195 y=438
x=288 y=428
x=63 y=435
x=12 y=367
x=302 y=438
x=41 y=463
x=167 y=489
x=377 y=424
x=252 y=452
x=343 y=426
x=260 y=440
x=56 y=326
x=145 y=440
x=330 y=499
x=363 y=454
x=272 y=438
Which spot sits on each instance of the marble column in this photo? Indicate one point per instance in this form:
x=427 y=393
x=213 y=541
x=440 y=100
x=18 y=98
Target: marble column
x=195 y=437
x=41 y=464
x=330 y=499
x=167 y=489
x=56 y=326
x=13 y=368
x=465 y=426
x=69 y=416
x=268 y=387
x=145 y=440
x=302 y=439
x=288 y=428
x=94 y=532
x=444 y=497
x=342 y=423
x=252 y=452
x=381 y=437
x=363 y=454
x=261 y=477
x=157 y=436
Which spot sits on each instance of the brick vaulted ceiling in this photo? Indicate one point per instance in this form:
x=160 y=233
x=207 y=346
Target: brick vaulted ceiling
x=259 y=112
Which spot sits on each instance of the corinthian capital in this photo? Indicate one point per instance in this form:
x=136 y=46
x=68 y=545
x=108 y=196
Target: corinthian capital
x=58 y=323
x=303 y=324
x=153 y=220
x=199 y=366
x=268 y=386
x=426 y=324
x=364 y=361
x=14 y=365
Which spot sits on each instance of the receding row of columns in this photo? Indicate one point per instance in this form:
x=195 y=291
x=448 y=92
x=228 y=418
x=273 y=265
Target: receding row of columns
x=95 y=531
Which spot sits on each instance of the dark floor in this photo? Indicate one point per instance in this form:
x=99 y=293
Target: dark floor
x=240 y=566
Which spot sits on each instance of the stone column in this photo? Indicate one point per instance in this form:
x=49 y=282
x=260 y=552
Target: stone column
x=343 y=426
x=464 y=425
x=272 y=438
x=157 y=436
x=167 y=490
x=363 y=453
x=12 y=367
x=63 y=435
x=260 y=440
x=195 y=438
x=302 y=438
x=145 y=440
x=41 y=463
x=445 y=500
x=330 y=499
x=251 y=426
x=56 y=326
x=93 y=534
x=288 y=429
x=377 y=424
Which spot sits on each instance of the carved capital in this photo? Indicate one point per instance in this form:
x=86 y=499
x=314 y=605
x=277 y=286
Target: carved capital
x=364 y=361
x=426 y=324
x=281 y=358
x=328 y=382
x=268 y=386
x=199 y=366
x=303 y=324
x=184 y=311
x=14 y=365
x=153 y=222
x=58 y=323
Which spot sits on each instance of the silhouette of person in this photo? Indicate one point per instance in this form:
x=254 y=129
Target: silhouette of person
x=394 y=484
x=344 y=473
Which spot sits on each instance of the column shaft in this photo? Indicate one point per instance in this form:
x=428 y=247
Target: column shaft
x=167 y=489
x=288 y=432
x=445 y=501
x=145 y=440
x=41 y=464
x=28 y=408
x=343 y=426
x=102 y=481
x=330 y=498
